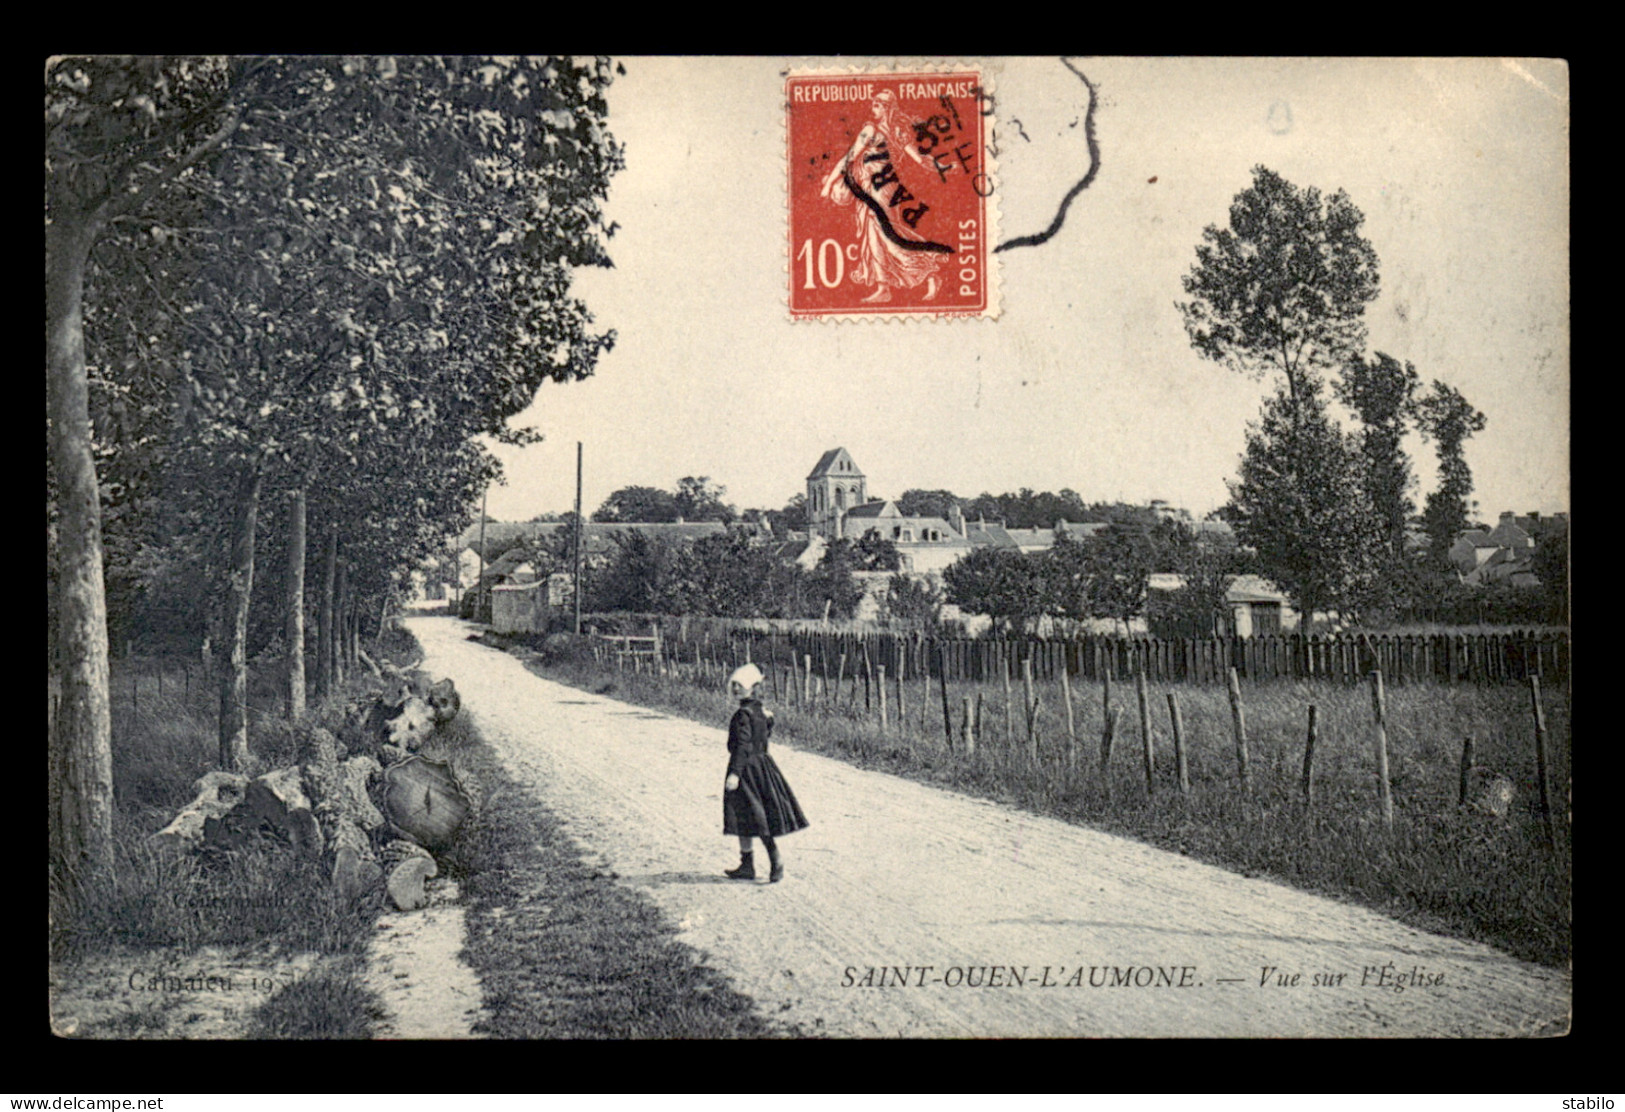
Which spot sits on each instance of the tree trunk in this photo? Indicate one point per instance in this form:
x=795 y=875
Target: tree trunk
x=352 y=640
x=82 y=749
x=296 y=605
x=324 y=617
x=239 y=592
x=341 y=606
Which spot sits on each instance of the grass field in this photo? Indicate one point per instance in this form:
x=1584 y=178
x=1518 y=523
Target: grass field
x=1439 y=867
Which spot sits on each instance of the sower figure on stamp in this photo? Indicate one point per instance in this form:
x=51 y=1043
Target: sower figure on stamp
x=866 y=178
x=756 y=800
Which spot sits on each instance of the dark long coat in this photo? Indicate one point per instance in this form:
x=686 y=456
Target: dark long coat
x=763 y=805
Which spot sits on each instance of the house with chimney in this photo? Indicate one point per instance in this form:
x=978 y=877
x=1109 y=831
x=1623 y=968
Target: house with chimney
x=1505 y=554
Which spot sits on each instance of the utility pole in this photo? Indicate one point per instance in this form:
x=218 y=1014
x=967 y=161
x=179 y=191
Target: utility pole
x=480 y=582
x=576 y=583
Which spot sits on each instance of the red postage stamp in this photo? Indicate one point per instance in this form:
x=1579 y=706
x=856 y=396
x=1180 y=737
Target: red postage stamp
x=890 y=195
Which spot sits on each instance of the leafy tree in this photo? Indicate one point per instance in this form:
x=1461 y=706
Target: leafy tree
x=645 y=575
x=1551 y=567
x=927 y=503
x=872 y=552
x=912 y=600
x=1298 y=502
x=1206 y=568
x=638 y=503
x=1002 y=583
x=1282 y=289
x=696 y=499
x=1120 y=513
x=1447 y=419
x=1382 y=392
x=832 y=582
x=1123 y=562
x=1029 y=509
x=1106 y=576
x=117 y=131
x=699 y=499
x=793 y=517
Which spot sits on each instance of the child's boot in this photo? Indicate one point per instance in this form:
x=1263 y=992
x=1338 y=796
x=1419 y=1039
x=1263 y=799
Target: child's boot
x=777 y=872
x=747 y=867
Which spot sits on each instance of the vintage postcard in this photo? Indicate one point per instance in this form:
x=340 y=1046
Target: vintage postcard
x=793 y=547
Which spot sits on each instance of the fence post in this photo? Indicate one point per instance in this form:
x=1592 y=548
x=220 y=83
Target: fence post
x=1031 y=709
x=1379 y=707
x=1009 y=728
x=902 y=699
x=1238 y=721
x=947 y=719
x=1309 y=762
x=1541 y=772
x=1071 y=727
x=880 y=671
x=976 y=730
x=806 y=689
x=1466 y=771
x=1178 y=724
x=1107 y=735
x=1145 y=730
x=925 y=697
x=967 y=728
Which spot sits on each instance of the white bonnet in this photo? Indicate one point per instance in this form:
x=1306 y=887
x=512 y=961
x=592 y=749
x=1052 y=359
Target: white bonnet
x=746 y=676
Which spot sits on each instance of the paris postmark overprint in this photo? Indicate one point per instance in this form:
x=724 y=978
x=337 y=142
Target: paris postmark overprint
x=891 y=204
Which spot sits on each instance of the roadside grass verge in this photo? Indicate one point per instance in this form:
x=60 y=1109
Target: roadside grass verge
x=1440 y=868
x=263 y=896
x=562 y=951
x=329 y=1003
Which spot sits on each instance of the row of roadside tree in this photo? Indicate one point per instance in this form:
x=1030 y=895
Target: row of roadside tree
x=301 y=293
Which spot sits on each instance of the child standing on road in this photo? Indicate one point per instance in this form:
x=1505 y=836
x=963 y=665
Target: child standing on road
x=756 y=800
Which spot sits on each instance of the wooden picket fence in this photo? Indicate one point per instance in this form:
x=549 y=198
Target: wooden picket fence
x=1483 y=658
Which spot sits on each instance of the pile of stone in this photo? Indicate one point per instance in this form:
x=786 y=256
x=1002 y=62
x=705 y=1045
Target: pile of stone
x=374 y=812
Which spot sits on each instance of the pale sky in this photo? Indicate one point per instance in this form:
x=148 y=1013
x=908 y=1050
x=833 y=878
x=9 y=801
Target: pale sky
x=1086 y=379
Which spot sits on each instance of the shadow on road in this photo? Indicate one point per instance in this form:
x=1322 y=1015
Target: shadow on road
x=651 y=880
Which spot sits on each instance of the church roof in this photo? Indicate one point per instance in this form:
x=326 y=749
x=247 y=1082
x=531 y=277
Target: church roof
x=827 y=463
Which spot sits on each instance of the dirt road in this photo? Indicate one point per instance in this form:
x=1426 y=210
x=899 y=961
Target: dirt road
x=909 y=911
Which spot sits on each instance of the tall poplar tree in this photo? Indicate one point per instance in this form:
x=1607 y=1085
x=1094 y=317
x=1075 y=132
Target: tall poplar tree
x=1297 y=500
x=1382 y=393
x=1448 y=420
x=1283 y=289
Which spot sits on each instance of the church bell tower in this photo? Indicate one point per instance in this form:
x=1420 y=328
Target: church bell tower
x=834 y=487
